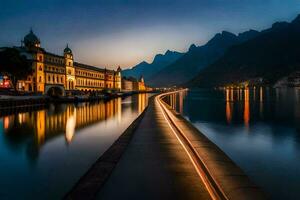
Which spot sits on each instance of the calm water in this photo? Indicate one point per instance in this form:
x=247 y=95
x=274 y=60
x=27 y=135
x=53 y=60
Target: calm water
x=43 y=153
x=259 y=129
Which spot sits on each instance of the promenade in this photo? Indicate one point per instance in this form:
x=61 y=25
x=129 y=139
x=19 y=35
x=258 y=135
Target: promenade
x=154 y=165
x=163 y=156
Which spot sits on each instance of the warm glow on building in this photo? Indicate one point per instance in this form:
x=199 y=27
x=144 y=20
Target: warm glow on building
x=57 y=74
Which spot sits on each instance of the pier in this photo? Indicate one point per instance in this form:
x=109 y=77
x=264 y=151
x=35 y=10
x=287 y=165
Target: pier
x=164 y=157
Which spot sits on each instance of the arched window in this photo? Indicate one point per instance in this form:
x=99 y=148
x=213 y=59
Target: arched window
x=40 y=79
x=53 y=79
x=48 y=78
x=57 y=79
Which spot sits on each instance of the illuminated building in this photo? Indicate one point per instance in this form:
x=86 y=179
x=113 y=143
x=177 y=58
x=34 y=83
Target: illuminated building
x=141 y=84
x=4 y=82
x=55 y=73
x=133 y=85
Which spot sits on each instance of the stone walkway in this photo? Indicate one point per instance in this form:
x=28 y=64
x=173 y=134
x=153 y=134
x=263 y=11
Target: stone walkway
x=154 y=165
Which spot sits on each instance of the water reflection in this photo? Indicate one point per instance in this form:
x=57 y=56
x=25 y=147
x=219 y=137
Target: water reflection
x=229 y=106
x=40 y=145
x=176 y=100
x=259 y=128
x=64 y=119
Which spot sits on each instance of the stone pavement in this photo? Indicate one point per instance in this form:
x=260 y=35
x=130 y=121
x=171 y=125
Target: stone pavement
x=154 y=165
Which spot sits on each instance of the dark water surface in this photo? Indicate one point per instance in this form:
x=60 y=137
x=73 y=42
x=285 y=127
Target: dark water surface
x=259 y=129
x=43 y=153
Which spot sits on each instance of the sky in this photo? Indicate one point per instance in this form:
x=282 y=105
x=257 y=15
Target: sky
x=109 y=33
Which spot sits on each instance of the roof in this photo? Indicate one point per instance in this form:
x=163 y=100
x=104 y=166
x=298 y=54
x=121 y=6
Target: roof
x=31 y=38
x=52 y=54
x=67 y=50
x=84 y=66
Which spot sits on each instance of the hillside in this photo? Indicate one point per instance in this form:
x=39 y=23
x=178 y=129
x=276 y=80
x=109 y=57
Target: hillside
x=198 y=58
x=272 y=55
x=148 y=69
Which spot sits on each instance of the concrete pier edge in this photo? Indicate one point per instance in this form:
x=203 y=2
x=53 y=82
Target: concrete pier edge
x=227 y=179
x=91 y=182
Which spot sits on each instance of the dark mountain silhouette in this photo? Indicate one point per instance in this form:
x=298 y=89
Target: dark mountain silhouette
x=147 y=69
x=272 y=55
x=197 y=58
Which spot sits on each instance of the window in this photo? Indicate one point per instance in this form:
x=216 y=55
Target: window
x=53 y=79
x=57 y=79
x=69 y=63
x=40 y=68
x=61 y=80
x=40 y=79
x=40 y=58
x=48 y=78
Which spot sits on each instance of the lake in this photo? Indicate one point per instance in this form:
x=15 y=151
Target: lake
x=259 y=129
x=45 y=152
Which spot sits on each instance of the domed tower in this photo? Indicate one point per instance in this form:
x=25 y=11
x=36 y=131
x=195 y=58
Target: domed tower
x=36 y=81
x=67 y=50
x=70 y=70
x=31 y=40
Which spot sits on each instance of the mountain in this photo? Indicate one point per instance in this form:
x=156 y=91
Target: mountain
x=270 y=56
x=197 y=58
x=148 y=69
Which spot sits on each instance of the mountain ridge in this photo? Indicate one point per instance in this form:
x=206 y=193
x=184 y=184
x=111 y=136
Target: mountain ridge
x=146 y=69
x=197 y=58
x=270 y=56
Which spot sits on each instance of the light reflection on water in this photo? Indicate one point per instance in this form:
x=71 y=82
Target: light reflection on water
x=43 y=153
x=258 y=128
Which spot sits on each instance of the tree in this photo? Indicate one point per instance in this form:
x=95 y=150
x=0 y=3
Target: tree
x=14 y=65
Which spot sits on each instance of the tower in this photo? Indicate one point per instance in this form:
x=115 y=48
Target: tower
x=33 y=44
x=142 y=79
x=31 y=41
x=118 y=84
x=70 y=70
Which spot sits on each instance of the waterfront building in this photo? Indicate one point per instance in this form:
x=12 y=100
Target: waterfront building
x=130 y=84
x=60 y=73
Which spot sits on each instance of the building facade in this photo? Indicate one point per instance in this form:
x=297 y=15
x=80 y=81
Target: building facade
x=61 y=73
x=131 y=84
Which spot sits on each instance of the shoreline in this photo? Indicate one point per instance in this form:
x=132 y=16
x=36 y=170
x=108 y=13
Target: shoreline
x=14 y=104
x=223 y=178
x=91 y=182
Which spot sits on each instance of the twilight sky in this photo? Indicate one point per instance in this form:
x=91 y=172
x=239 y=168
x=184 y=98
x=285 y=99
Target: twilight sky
x=126 y=32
